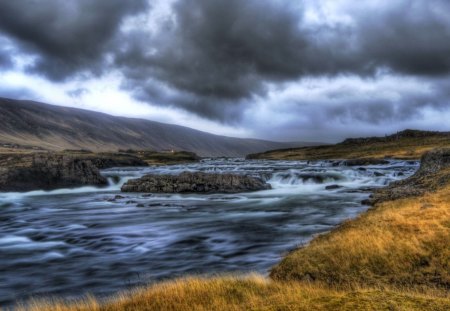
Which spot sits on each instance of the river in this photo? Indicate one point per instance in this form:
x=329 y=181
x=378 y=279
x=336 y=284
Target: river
x=69 y=242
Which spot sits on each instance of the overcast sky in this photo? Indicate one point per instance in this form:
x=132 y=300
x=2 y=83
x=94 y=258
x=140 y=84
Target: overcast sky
x=282 y=70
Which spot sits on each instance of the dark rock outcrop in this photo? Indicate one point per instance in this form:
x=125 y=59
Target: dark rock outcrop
x=434 y=173
x=46 y=171
x=195 y=182
x=103 y=161
x=333 y=187
x=365 y=161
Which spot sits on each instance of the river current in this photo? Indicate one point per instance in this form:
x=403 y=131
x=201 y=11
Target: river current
x=70 y=242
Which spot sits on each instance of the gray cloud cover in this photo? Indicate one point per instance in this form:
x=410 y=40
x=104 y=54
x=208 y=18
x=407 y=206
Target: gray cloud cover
x=218 y=58
x=65 y=36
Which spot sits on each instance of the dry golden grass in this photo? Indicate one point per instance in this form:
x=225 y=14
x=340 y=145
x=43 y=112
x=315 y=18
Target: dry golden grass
x=251 y=293
x=403 y=243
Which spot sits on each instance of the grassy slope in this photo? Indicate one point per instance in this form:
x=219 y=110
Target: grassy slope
x=402 y=148
x=394 y=257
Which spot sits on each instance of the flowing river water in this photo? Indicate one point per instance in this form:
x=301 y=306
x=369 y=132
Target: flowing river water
x=70 y=242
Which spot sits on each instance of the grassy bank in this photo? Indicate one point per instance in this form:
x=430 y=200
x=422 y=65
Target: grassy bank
x=404 y=145
x=254 y=293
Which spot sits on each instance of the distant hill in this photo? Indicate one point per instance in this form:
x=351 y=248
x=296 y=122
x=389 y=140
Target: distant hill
x=407 y=144
x=38 y=125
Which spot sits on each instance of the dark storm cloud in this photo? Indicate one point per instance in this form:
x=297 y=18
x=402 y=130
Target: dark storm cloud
x=407 y=36
x=65 y=36
x=6 y=53
x=217 y=58
x=220 y=54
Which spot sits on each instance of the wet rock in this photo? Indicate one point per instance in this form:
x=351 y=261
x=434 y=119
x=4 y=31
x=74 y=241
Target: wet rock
x=332 y=187
x=115 y=198
x=195 y=182
x=47 y=171
x=365 y=161
x=378 y=174
x=108 y=160
x=115 y=179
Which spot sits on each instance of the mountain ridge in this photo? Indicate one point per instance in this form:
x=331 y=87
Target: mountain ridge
x=40 y=125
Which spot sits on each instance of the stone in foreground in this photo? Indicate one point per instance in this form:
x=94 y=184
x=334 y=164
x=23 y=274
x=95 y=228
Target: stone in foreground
x=188 y=182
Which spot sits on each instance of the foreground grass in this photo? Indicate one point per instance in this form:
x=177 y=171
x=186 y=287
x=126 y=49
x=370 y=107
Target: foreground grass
x=252 y=293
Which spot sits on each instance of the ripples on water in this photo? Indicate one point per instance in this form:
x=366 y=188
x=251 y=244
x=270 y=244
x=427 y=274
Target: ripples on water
x=72 y=241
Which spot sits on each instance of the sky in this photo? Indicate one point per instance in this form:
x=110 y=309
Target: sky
x=305 y=70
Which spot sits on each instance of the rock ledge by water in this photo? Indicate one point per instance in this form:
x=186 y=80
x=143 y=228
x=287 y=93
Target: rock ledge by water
x=195 y=183
x=47 y=171
x=434 y=173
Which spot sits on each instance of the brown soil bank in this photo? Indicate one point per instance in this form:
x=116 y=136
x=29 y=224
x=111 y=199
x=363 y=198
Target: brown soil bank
x=408 y=144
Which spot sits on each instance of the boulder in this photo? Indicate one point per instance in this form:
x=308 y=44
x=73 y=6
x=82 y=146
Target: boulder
x=333 y=187
x=196 y=182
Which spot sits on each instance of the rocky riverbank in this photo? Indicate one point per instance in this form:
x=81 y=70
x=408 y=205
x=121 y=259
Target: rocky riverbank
x=47 y=171
x=26 y=169
x=433 y=174
x=52 y=170
x=196 y=183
